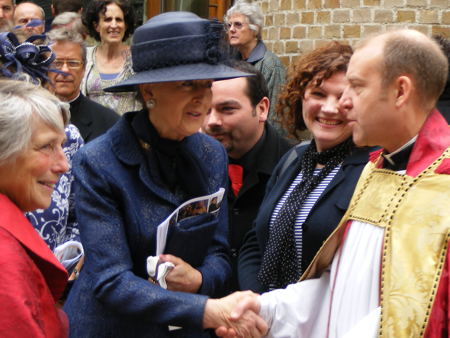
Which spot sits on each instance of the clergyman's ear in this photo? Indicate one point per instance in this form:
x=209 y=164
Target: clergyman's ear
x=404 y=88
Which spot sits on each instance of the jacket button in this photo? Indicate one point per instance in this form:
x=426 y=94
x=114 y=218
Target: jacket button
x=235 y=211
x=234 y=253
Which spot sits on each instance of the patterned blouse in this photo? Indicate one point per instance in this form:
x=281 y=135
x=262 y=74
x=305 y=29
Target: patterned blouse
x=57 y=224
x=92 y=86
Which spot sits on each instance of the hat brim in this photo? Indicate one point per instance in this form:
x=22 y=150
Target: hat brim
x=198 y=71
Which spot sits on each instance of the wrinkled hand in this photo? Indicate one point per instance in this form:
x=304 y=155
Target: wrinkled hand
x=235 y=316
x=183 y=277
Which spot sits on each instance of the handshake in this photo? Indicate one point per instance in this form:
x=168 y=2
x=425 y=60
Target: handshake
x=236 y=315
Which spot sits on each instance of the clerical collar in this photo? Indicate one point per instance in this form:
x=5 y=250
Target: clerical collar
x=76 y=98
x=398 y=160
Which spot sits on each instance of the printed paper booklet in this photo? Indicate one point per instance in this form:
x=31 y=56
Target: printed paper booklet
x=193 y=207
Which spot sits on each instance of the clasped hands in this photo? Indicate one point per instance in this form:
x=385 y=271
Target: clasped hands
x=233 y=316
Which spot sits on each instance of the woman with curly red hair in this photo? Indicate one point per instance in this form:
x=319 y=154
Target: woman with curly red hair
x=311 y=187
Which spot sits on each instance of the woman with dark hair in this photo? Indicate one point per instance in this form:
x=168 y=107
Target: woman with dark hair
x=311 y=186
x=110 y=22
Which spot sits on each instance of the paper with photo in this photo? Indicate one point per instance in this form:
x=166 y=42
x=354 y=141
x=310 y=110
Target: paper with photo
x=193 y=207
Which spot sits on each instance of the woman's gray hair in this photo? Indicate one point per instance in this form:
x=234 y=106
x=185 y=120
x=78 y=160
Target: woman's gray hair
x=253 y=13
x=21 y=103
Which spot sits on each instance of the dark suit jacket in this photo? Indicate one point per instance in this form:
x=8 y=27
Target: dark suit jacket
x=323 y=218
x=244 y=208
x=444 y=108
x=91 y=118
x=119 y=207
x=443 y=104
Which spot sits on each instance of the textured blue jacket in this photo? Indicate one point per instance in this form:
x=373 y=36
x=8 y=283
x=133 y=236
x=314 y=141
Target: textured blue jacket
x=119 y=207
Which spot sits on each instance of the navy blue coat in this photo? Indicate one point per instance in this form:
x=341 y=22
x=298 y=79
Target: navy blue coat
x=119 y=207
x=322 y=220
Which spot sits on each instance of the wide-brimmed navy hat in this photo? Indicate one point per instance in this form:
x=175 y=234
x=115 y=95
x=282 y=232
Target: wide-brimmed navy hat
x=177 y=46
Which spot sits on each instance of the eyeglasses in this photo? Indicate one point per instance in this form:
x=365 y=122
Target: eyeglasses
x=237 y=25
x=71 y=64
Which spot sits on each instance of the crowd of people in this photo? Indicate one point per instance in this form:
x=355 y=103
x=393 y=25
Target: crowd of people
x=160 y=187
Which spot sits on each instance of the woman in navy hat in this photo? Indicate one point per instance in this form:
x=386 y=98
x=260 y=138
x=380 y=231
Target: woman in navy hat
x=133 y=178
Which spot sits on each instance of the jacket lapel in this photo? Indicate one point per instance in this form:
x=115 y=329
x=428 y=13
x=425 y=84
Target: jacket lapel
x=127 y=148
x=250 y=181
x=81 y=116
x=267 y=159
x=13 y=221
x=287 y=177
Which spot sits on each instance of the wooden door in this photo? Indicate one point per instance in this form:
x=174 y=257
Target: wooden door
x=216 y=8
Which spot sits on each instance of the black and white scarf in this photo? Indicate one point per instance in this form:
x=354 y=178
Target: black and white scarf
x=280 y=265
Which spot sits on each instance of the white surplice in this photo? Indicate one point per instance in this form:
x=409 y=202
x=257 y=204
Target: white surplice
x=343 y=302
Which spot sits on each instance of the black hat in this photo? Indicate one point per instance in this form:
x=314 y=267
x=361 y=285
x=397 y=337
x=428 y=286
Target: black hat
x=176 y=46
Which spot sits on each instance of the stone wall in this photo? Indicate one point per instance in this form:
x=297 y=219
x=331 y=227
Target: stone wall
x=293 y=27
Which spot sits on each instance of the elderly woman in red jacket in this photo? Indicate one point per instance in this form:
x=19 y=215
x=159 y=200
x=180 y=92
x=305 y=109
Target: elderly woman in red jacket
x=31 y=160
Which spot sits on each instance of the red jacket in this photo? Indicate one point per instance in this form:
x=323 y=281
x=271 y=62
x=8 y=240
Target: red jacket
x=31 y=280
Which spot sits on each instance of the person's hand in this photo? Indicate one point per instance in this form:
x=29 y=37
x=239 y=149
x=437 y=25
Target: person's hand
x=233 y=320
x=183 y=277
x=77 y=269
x=248 y=304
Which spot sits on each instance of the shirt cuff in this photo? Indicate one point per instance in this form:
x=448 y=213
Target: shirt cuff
x=268 y=305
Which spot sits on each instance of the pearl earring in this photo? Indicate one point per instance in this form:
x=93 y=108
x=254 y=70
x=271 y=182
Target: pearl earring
x=150 y=104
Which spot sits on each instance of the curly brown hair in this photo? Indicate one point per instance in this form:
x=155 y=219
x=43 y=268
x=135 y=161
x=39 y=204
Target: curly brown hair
x=91 y=16
x=309 y=70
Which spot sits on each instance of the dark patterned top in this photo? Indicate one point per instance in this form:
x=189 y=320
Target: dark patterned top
x=57 y=224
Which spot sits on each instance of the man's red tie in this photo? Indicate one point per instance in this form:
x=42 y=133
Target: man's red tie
x=236 y=173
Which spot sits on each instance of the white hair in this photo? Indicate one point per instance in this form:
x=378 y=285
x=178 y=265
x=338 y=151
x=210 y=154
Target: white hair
x=21 y=103
x=253 y=13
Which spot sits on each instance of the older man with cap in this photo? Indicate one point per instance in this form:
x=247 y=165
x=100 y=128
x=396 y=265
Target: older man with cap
x=385 y=270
